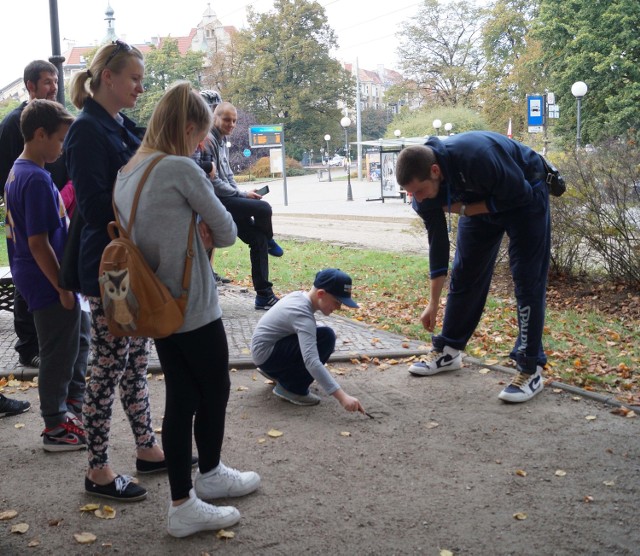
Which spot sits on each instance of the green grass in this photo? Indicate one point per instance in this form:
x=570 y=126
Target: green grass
x=4 y=256
x=585 y=348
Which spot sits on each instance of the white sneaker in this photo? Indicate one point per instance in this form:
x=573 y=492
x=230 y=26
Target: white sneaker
x=449 y=359
x=195 y=515
x=225 y=482
x=523 y=387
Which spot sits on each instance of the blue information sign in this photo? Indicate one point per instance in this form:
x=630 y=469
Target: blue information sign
x=535 y=110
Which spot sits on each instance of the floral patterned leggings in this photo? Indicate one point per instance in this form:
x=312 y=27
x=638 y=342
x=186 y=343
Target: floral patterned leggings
x=116 y=362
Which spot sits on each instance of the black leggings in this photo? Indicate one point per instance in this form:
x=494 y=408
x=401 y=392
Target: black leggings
x=196 y=373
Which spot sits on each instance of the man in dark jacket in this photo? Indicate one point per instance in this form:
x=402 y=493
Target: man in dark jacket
x=497 y=186
x=41 y=80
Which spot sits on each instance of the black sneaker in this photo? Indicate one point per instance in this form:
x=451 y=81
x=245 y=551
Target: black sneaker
x=265 y=302
x=9 y=407
x=221 y=279
x=30 y=361
x=122 y=488
x=144 y=467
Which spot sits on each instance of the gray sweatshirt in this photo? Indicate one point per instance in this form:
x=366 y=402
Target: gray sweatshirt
x=175 y=188
x=293 y=314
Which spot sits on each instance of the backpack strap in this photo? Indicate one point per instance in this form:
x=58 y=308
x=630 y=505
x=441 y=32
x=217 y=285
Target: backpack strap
x=188 y=262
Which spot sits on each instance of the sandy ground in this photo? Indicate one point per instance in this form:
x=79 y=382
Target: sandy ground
x=443 y=466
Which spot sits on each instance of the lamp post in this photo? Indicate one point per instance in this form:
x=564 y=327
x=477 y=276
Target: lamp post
x=578 y=90
x=345 y=123
x=437 y=124
x=327 y=138
x=448 y=127
x=397 y=133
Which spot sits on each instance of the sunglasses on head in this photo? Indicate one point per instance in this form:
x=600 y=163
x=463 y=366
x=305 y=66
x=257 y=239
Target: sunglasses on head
x=119 y=45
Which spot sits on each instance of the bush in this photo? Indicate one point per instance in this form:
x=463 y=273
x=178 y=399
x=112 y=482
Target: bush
x=597 y=222
x=262 y=168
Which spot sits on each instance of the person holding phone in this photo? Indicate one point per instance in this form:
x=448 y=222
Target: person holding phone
x=251 y=214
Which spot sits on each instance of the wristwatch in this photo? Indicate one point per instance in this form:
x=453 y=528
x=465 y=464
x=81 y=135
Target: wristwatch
x=463 y=210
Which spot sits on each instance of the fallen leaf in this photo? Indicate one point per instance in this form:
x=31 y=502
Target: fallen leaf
x=20 y=528
x=557 y=390
x=273 y=433
x=520 y=516
x=521 y=472
x=89 y=507
x=55 y=522
x=484 y=371
x=222 y=534
x=432 y=424
x=560 y=473
x=33 y=543
x=576 y=398
x=588 y=499
x=445 y=552
x=19 y=425
x=107 y=512
x=8 y=514
x=609 y=483
x=345 y=433
x=242 y=388
x=261 y=440
x=491 y=362
x=84 y=537
x=590 y=417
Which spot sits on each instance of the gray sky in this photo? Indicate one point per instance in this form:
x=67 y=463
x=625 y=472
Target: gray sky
x=365 y=28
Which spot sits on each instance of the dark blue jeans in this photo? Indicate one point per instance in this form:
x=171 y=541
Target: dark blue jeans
x=286 y=365
x=478 y=242
x=253 y=219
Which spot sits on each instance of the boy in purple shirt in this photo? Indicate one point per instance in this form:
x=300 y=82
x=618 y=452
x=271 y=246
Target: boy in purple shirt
x=36 y=228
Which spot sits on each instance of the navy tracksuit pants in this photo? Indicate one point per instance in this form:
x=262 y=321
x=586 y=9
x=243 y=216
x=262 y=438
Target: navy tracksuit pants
x=478 y=243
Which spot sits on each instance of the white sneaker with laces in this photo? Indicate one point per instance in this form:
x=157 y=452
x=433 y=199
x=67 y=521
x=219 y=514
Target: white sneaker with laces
x=225 y=482
x=523 y=387
x=449 y=359
x=195 y=515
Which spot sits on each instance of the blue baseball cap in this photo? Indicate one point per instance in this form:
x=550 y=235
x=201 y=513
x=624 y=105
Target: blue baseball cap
x=337 y=283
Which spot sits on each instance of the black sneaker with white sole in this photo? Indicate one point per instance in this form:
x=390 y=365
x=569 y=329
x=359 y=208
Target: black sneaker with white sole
x=122 y=488
x=10 y=407
x=449 y=359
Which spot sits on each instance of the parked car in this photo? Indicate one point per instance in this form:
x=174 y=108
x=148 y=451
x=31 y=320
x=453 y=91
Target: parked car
x=337 y=160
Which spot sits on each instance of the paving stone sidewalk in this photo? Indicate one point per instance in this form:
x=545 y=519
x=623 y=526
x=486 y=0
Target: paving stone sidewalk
x=240 y=318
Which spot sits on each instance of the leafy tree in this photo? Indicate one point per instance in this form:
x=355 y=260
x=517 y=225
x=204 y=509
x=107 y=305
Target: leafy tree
x=286 y=75
x=419 y=123
x=596 y=42
x=374 y=123
x=164 y=66
x=7 y=106
x=513 y=69
x=441 y=51
x=221 y=67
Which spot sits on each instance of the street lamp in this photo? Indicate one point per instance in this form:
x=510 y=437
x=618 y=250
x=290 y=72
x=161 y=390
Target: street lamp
x=578 y=90
x=345 y=123
x=397 y=133
x=327 y=138
x=448 y=127
x=437 y=124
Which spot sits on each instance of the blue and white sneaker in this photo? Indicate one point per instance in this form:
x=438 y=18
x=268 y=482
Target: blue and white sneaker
x=449 y=359
x=523 y=387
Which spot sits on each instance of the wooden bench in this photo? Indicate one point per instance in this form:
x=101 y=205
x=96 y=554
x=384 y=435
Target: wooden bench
x=7 y=289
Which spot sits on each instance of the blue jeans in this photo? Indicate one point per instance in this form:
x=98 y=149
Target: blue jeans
x=478 y=243
x=286 y=365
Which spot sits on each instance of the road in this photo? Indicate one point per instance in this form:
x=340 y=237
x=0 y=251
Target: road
x=319 y=210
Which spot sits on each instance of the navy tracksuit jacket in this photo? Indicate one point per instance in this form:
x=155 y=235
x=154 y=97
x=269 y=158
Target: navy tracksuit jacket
x=509 y=177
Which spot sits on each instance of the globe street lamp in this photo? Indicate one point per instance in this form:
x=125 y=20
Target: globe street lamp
x=578 y=90
x=327 y=138
x=448 y=127
x=437 y=124
x=345 y=123
x=397 y=133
